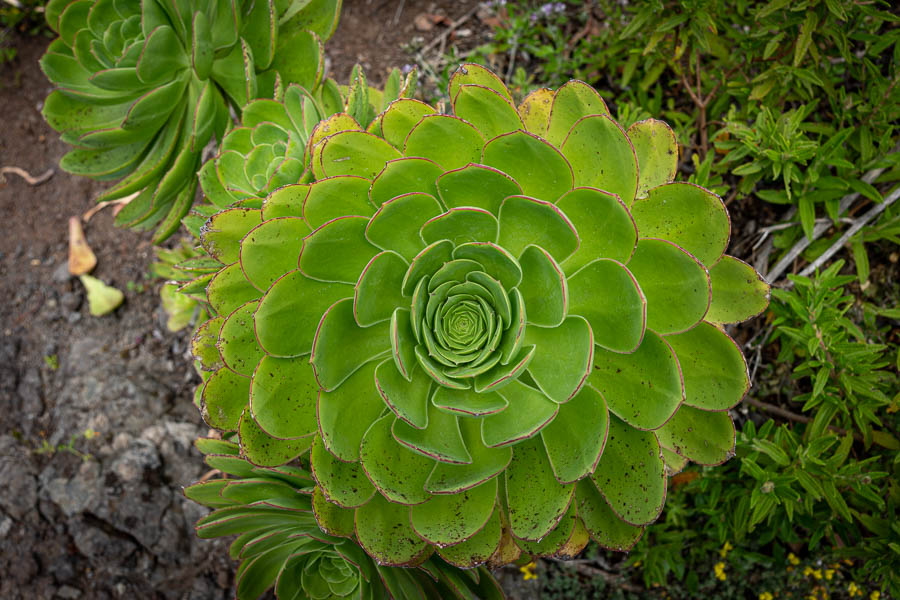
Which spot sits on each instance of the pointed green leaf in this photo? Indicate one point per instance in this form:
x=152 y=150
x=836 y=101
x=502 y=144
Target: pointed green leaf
x=605 y=527
x=395 y=470
x=715 y=371
x=377 y=293
x=290 y=312
x=337 y=251
x=426 y=262
x=407 y=398
x=271 y=250
x=299 y=57
x=606 y=294
x=631 y=474
x=396 y=224
x=237 y=341
x=705 y=437
x=383 y=530
x=535 y=111
x=571 y=103
x=468 y=402
x=452 y=518
x=336 y=197
x=496 y=260
x=605 y=227
x=687 y=215
x=602 y=157
x=333 y=520
x=400 y=118
x=472 y=73
x=221 y=236
x=477 y=186
x=264 y=450
x=575 y=438
x=532 y=411
x=657 y=153
x=563 y=357
x=404 y=176
x=738 y=292
x=346 y=413
x=224 y=397
x=477 y=549
x=674 y=283
x=334 y=358
x=343 y=483
x=537 y=501
x=543 y=288
x=283 y=397
x=229 y=289
x=440 y=440
x=526 y=221
x=461 y=225
x=517 y=153
x=643 y=388
x=491 y=113
x=448 y=478
x=502 y=375
x=354 y=153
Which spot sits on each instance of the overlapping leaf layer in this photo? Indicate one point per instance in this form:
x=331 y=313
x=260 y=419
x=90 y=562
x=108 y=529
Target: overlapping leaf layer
x=274 y=512
x=496 y=331
x=143 y=86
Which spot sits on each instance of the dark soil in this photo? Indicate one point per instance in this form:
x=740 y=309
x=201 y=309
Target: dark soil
x=105 y=517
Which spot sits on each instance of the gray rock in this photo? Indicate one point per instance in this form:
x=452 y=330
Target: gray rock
x=61 y=273
x=68 y=592
x=19 y=496
x=75 y=494
x=135 y=462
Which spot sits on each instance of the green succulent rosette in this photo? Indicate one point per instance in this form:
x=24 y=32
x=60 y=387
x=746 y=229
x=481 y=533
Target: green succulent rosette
x=499 y=329
x=143 y=86
x=272 y=146
x=274 y=512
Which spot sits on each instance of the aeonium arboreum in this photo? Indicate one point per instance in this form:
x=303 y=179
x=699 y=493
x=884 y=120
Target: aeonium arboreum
x=281 y=546
x=143 y=86
x=499 y=326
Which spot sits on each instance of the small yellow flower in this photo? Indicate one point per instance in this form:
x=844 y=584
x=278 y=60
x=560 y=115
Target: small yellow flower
x=90 y=434
x=876 y=595
x=817 y=573
x=853 y=590
x=807 y=571
x=726 y=549
x=766 y=596
x=719 y=569
x=793 y=559
x=528 y=571
x=829 y=574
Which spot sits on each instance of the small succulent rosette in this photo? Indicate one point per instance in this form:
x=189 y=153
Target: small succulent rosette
x=499 y=330
x=274 y=513
x=143 y=86
x=273 y=144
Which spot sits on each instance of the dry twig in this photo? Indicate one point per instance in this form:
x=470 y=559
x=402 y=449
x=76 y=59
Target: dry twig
x=26 y=175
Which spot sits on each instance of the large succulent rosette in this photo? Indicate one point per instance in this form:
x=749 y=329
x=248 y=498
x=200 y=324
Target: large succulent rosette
x=281 y=546
x=497 y=329
x=142 y=86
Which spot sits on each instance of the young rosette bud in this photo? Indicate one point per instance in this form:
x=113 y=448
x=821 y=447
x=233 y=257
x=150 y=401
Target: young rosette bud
x=280 y=545
x=143 y=86
x=501 y=326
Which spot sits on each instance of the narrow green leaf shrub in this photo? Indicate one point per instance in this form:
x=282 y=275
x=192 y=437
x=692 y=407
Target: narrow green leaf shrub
x=496 y=329
x=274 y=512
x=143 y=86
